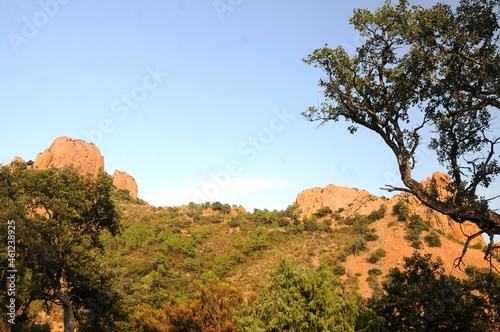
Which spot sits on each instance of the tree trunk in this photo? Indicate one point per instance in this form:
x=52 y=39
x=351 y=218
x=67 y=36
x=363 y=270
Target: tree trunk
x=69 y=314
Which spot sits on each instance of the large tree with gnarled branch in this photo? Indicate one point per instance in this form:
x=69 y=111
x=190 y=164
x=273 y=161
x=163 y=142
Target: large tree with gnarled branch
x=434 y=70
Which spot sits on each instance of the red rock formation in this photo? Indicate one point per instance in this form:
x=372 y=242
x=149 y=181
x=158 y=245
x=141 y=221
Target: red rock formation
x=352 y=200
x=123 y=180
x=337 y=197
x=65 y=151
x=439 y=182
x=18 y=159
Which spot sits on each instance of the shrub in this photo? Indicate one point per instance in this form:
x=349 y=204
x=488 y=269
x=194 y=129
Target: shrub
x=370 y=235
x=324 y=211
x=357 y=245
x=417 y=223
x=417 y=244
x=374 y=272
x=377 y=214
x=376 y=256
x=235 y=222
x=311 y=224
x=338 y=269
x=192 y=263
x=402 y=210
x=432 y=239
x=217 y=206
x=416 y=226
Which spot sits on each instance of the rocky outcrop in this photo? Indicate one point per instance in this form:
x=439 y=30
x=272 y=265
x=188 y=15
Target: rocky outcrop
x=123 y=180
x=352 y=201
x=439 y=183
x=337 y=197
x=86 y=157
x=65 y=151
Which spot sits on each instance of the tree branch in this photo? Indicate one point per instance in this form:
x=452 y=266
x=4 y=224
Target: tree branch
x=459 y=261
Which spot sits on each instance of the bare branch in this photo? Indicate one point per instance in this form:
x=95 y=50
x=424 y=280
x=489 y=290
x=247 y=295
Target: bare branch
x=392 y=188
x=459 y=261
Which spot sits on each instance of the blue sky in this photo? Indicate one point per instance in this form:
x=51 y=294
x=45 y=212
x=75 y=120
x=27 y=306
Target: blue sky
x=198 y=100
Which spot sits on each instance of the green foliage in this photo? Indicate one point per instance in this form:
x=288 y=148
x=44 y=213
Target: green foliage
x=374 y=272
x=377 y=214
x=422 y=298
x=376 y=256
x=323 y=212
x=360 y=225
x=429 y=71
x=192 y=264
x=373 y=281
x=301 y=299
x=59 y=216
x=211 y=309
x=415 y=228
x=257 y=241
x=402 y=210
x=338 y=269
x=433 y=239
x=311 y=224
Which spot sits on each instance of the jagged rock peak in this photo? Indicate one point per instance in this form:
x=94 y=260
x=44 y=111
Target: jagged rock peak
x=123 y=180
x=65 y=151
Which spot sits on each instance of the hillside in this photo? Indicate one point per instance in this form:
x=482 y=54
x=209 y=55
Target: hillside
x=165 y=257
x=174 y=245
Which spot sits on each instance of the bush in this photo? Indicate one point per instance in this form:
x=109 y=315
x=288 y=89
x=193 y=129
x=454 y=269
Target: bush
x=311 y=224
x=235 y=222
x=371 y=236
x=376 y=256
x=377 y=214
x=417 y=244
x=324 y=211
x=357 y=245
x=374 y=272
x=402 y=210
x=338 y=269
x=192 y=264
x=432 y=239
x=416 y=226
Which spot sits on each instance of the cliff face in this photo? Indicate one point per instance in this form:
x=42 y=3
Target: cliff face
x=123 y=180
x=65 y=151
x=85 y=156
x=352 y=201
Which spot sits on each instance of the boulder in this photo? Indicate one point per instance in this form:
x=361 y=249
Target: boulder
x=125 y=181
x=65 y=151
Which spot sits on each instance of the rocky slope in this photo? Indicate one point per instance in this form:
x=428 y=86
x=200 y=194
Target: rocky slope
x=393 y=235
x=362 y=202
x=86 y=157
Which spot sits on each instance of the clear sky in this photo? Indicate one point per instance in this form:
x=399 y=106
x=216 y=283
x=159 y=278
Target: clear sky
x=198 y=100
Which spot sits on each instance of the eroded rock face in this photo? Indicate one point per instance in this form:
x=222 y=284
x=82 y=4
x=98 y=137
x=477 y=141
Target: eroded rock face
x=123 y=180
x=439 y=184
x=65 y=151
x=352 y=201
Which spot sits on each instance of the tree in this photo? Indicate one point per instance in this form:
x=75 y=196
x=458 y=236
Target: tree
x=301 y=299
x=211 y=310
x=423 y=298
x=59 y=216
x=425 y=69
